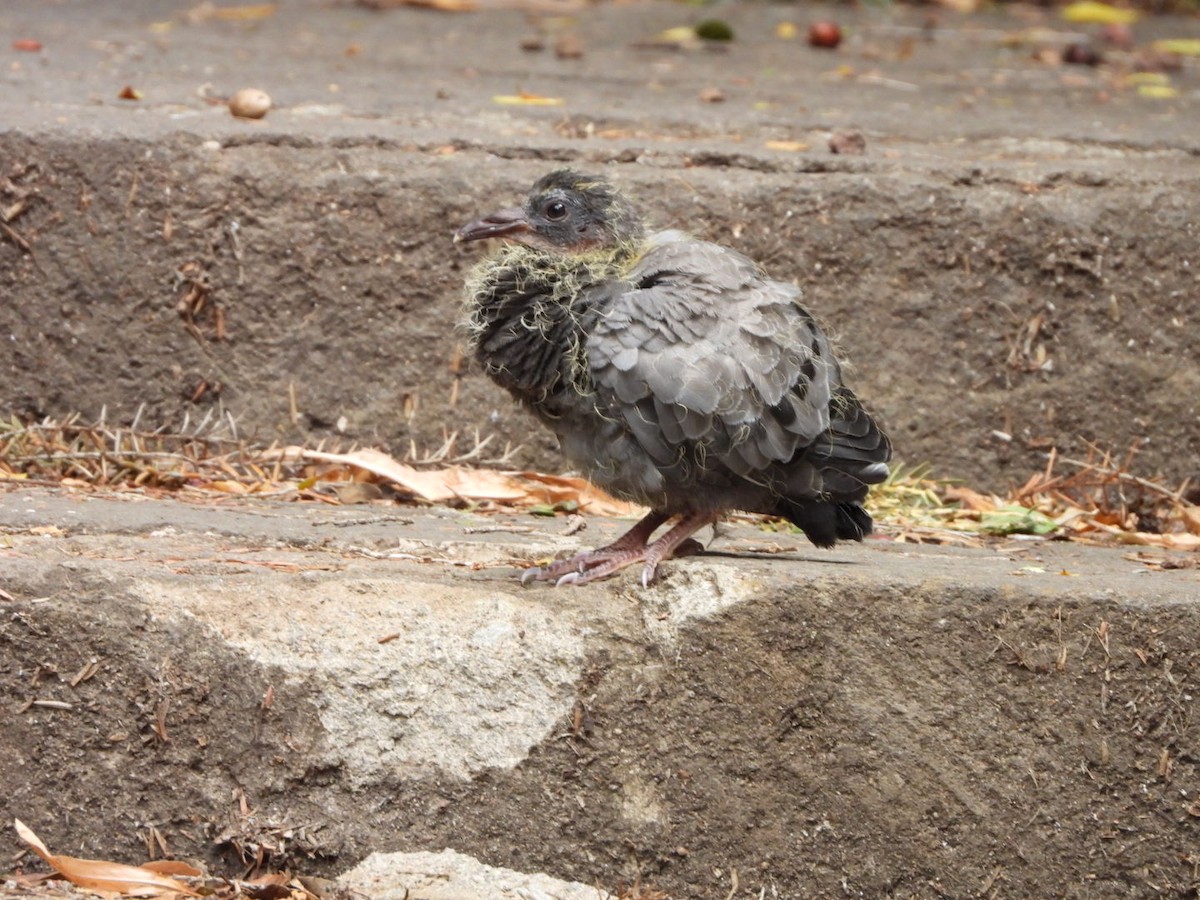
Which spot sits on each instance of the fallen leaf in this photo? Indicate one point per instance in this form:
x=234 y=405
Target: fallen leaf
x=482 y=484
x=526 y=99
x=427 y=485
x=680 y=34
x=1182 y=46
x=960 y=6
x=1181 y=541
x=1158 y=91
x=171 y=867
x=1016 y=519
x=351 y=492
x=787 y=146
x=228 y=487
x=440 y=5
x=101 y=875
x=207 y=11
x=1092 y=12
x=1147 y=78
x=714 y=30
x=972 y=500
x=557 y=489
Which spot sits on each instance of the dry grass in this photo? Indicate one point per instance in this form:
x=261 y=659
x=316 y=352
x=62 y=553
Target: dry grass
x=1096 y=499
x=197 y=455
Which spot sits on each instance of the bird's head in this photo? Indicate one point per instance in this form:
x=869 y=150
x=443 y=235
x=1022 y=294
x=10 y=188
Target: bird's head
x=565 y=213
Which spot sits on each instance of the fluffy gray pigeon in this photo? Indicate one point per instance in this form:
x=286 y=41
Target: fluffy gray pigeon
x=673 y=371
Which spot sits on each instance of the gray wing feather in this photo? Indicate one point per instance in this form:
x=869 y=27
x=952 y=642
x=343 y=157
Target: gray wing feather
x=703 y=357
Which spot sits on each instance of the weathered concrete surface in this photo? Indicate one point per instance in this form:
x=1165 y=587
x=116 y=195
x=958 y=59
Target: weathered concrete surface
x=883 y=719
x=1012 y=265
x=453 y=876
x=1016 y=253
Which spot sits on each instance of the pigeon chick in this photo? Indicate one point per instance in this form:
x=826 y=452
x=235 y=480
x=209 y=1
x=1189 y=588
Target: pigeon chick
x=673 y=371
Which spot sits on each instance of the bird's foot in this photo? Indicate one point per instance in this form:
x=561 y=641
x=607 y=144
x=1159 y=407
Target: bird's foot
x=593 y=565
x=651 y=556
x=629 y=547
x=581 y=568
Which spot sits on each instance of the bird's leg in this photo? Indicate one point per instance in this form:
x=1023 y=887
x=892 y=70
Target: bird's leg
x=633 y=541
x=676 y=542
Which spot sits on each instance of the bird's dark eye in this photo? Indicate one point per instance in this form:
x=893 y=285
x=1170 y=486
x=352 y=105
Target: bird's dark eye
x=556 y=210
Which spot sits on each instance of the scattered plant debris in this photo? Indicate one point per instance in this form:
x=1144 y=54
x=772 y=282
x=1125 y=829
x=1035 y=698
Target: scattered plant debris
x=1097 y=499
x=109 y=877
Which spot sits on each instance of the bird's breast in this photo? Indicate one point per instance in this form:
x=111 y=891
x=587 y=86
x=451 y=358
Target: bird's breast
x=529 y=317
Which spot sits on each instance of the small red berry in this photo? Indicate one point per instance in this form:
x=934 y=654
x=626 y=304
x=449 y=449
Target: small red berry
x=824 y=34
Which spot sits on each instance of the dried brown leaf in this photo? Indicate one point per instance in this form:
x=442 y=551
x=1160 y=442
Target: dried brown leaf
x=1180 y=541
x=229 y=487
x=172 y=867
x=101 y=875
x=554 y=489
x=972 y=500
x=426 y=485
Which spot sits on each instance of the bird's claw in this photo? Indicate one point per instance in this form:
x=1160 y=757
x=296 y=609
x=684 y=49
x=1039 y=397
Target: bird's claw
x=574 y=571
x=647 y=576
x=564 y=572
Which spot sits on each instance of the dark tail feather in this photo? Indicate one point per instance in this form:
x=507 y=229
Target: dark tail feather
x=854 y=522
x=826 y=522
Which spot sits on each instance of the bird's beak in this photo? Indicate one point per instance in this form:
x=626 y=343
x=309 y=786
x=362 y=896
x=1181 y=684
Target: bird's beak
x=505 y=223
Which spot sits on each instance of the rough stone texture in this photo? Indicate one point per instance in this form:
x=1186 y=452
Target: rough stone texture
x=409 y=705
x=881 y=720
x=1012 y=264
x=453 y=876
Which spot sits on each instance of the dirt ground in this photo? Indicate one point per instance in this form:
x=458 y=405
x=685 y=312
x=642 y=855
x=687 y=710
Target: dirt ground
x=1011 y=266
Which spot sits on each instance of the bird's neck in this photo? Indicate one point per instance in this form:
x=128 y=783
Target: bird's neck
x=529 y=312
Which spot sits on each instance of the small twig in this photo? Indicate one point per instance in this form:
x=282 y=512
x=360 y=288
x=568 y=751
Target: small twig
x=52 y=704
x=367 y=520
x=293 y=409
x=1151 y=486
x=16 y=238
x=492 y=529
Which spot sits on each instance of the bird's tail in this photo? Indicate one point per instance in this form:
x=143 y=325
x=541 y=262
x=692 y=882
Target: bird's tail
x=825 y=522
x=849 y=457
x=854 y=452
